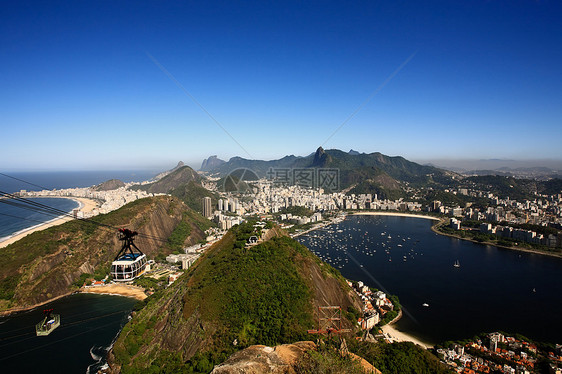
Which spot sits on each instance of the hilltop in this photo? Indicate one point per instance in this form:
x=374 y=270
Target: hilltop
x=234 y=297
x=176 y=177
x=109 y=185
x=50 y=263
x=182 y=182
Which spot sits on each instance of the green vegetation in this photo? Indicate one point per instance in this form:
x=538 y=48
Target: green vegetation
x=45 y=264
x=101 y=272
x=451 y=199
x=497 y=240
x=297 y=211
x=83 y=278
x=516 y=189
x=192 y=194
x=8 y=286
x=151 y=284
x=256 y=295
x=180 y=234
x=327 y=359
x=259 y=294
x=399 y=358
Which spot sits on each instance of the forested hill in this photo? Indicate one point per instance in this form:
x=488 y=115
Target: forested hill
x=235 y=297
x=177 y=177
x=52 y=262
x=184 y=183
x=265 y=294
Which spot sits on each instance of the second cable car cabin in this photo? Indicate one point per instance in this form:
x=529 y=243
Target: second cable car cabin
x=129 y=263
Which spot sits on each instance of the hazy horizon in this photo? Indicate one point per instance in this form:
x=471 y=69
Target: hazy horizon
x=466 y=164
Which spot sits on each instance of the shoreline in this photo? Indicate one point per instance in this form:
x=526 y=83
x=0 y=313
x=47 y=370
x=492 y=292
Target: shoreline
x=124 y=290
x=519 y=249
x=8 y=312
x=84 y=205
x=400 y=336
x=442 y=220
x=395 y=214
x=116 y=289
x=396 y=335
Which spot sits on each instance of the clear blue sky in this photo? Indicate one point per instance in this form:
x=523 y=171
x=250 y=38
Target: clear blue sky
x=79 y=91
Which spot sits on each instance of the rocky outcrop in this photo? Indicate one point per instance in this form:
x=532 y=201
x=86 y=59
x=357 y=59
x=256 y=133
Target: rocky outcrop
x=211 y=163
x=287 y=359
x=258 y=359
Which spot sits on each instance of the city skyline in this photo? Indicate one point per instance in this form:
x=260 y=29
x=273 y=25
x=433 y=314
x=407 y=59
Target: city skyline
x=129 y=85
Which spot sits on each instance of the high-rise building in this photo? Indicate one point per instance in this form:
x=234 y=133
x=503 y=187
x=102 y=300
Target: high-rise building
x=207 y=207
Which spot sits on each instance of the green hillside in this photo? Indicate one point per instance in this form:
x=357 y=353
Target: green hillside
x=48 y=263
x=174 y=179
x=232 y=298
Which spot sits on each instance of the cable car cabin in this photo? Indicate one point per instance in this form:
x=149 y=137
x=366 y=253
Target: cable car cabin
x=48 y=324
x=130 y=262
x=128 y=267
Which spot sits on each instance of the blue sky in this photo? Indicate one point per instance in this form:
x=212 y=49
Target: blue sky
x=78 y=89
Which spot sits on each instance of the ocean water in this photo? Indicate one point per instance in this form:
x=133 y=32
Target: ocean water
x=89 y=325
x=68 y=179
x=493 y=289
x=16 y=218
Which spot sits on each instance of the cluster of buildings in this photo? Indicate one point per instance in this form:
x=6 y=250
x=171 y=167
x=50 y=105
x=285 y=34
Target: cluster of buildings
x=522 y=235
x=375 y=305
x=499 y=353
x=543 y=210
x=108 y=200
x=269 y=197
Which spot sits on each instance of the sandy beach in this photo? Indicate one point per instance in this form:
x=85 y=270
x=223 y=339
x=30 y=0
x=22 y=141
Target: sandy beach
x=86 y=206
x=380 y=213
x=400 y=336
x=117 y=289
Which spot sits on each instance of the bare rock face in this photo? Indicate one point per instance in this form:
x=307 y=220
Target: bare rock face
x=258 y=359
x=211 y=163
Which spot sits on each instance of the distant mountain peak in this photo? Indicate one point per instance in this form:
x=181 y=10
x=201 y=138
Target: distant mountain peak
x=164 y=173
x=211 y=163
x=320 y=157
x=353 y=153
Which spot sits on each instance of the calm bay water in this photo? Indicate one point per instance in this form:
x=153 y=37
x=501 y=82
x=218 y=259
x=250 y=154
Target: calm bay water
x=89 y=323
x=493 y=289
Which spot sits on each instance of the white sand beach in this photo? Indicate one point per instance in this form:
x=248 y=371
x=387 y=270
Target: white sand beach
x=400 y=336
x=117 y=289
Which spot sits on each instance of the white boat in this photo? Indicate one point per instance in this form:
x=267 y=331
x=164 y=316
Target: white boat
x=425 y=304
x=457 y=264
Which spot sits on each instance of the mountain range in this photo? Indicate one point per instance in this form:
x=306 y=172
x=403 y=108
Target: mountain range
x=361 y=172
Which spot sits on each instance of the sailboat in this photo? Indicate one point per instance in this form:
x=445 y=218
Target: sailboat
x=457 y=264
